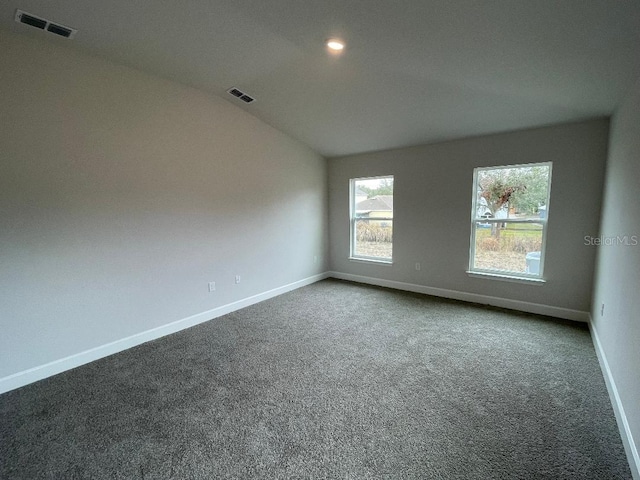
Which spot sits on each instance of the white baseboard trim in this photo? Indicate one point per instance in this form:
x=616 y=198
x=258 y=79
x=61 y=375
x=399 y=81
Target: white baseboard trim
x=40 y=372
x=630 y=447
x=528 y=307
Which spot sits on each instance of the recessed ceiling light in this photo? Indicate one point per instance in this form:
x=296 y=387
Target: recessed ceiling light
x=335 y=45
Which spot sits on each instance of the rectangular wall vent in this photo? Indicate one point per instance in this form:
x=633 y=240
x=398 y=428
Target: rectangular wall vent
x=241 y=95
x=43 y=24
x=33 y=21
x=60 y=30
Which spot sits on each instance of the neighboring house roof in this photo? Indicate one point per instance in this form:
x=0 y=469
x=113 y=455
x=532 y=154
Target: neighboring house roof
x=381 y=203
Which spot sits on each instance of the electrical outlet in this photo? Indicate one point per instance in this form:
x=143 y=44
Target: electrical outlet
x=315 y=259
x=237 y=278
x=418 y=266
x=212 y=286
x=602 y=310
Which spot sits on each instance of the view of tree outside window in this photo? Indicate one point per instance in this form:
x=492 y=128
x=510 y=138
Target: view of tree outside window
x=509 y=219
x=372 y=218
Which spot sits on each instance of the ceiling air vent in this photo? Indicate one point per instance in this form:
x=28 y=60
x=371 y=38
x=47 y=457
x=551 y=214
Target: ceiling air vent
x=42 y=24
x=241 y=95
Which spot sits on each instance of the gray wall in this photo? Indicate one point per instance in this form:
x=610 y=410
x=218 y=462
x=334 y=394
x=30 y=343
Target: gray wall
x=432 y=208
x=122 y=195
x=617 y=282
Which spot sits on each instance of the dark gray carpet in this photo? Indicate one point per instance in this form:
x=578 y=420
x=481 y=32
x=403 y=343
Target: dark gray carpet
x=334 y=380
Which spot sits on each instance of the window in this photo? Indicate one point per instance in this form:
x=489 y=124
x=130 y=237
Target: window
x=371 y=207
x=509 y=220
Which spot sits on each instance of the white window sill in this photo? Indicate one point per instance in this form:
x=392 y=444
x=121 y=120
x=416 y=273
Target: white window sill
x=371 y=260
x=507 y=278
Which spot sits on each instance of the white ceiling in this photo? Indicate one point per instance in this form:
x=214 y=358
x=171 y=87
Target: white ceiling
x=413 y=71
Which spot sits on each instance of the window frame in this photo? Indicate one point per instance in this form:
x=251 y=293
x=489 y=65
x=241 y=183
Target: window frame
x=353 y=219
x=475 y=218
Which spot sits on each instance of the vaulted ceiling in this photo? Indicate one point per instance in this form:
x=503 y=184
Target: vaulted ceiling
x=412 y=72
